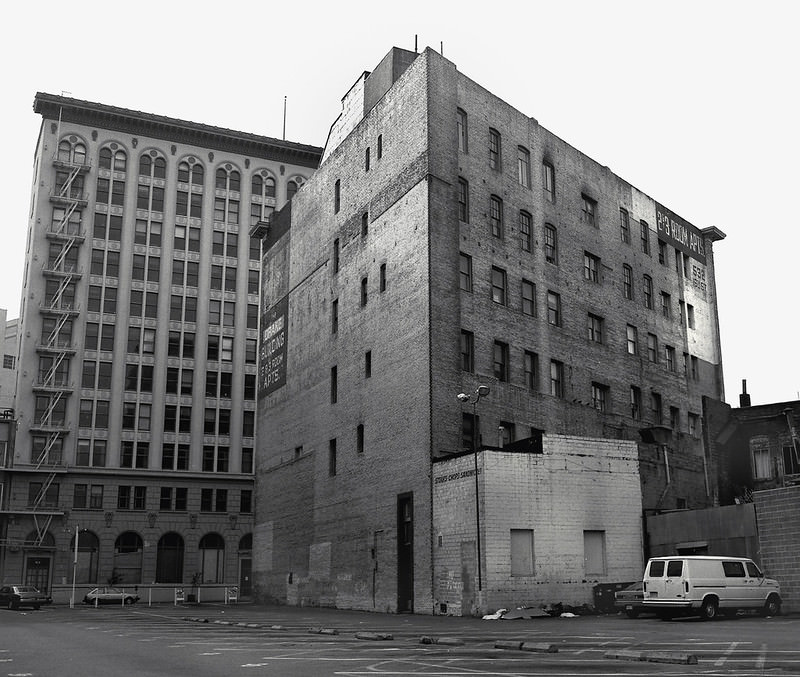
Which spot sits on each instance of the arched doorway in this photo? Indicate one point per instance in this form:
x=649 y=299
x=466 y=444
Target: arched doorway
x=169 y=558
x=212 y=558
x=128 y=550
x=88 y=555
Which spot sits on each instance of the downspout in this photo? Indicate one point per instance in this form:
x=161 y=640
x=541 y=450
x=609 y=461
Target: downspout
x=669 y=481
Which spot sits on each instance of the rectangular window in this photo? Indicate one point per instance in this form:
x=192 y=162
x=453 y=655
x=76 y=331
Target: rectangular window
x=528 y=298
x=523 y=167
x=762 y=464
x=632 y=337
x=655 y=408
x=364 y=290
x=690 y=315
x=246 y=501
x=526 y=238
x=463 y=200
x=624 y=226
x=334 y=385
x=662 y=252
x=522 y=562
x=636 y=403
x=465 y=272
x=647 y=287
x=496 y=216
x=589 y=210
x=335 y=256
x=549 y=181
x=495 y=149
x=627 y=281
x=499 y=286
x=531 y=368
x=461 y=130
x=467 y=351
x=556 y=378
x=332 y=457
x=550 y=244
x=666 y=305
x=591 y=267
x=674 y=418
x=695 y=368
x=360 y=438
x=594 y=326
x=554 y=308
x=600 y=396
x=500 y=359
x=337 y=196
x=652 y=348
x=368 y=364
x=694 y=424
x=645 y=230
x=669 y=357
x=334 y=316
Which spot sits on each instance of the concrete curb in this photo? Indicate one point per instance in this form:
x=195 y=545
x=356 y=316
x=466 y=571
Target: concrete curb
x=323 y=631
x=676 y=657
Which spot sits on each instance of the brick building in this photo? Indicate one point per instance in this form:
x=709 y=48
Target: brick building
x=136 y=392
x=448 y=241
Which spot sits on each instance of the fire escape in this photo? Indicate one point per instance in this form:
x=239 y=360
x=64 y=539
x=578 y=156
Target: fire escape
x=55 y=349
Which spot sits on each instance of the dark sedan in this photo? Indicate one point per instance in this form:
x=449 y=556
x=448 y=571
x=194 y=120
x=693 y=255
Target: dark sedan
x=15 y=596
x=630 y=599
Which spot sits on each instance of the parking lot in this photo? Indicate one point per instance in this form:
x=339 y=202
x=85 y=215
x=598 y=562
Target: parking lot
x=249 y=640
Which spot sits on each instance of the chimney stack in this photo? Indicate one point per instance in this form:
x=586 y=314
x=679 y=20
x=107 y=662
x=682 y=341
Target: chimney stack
x=744 y=398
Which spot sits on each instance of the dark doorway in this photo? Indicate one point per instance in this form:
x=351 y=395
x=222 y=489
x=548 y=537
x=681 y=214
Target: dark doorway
x=405 y=553
x=37 y=572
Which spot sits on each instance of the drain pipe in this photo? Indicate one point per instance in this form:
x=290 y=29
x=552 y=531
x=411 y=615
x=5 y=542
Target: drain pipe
x=669 y=481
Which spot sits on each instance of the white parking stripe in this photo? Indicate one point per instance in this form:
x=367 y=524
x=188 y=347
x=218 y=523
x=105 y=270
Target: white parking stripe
x=721 y=660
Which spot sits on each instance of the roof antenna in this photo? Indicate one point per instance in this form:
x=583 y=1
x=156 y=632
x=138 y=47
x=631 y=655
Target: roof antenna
x=415 y=43
x=441 y=48
x=284 y=118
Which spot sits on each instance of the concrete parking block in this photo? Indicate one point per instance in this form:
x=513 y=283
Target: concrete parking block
x=374 y=635
x=539 y=647
x=676 y=657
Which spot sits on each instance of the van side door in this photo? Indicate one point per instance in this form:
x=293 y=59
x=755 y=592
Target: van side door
x=673 y=582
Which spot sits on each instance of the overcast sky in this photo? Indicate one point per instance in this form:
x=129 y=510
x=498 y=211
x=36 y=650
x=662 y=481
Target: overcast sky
x=695 y=103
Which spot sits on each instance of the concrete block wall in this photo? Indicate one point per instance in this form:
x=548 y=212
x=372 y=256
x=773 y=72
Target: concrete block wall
x=778 y=516
x=577 y=484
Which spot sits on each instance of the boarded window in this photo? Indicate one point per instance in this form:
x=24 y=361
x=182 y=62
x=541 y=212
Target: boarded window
x=522 y=552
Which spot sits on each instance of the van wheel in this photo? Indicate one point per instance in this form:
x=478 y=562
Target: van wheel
x=709 y=609
x=632 y=613
x=772 y=607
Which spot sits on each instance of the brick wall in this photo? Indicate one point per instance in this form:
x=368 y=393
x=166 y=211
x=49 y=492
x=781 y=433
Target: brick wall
x=577 y=484
x=778 y=516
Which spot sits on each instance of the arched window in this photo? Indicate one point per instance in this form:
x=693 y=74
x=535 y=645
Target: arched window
x=88 y=554
x=145 y=165
x=169 y=558
x=291 y=190
x=190 y=202
x=105 y=158
x=246 y=543
x=128 y=550
x=262 y=200
x=256 y=184
x=159 y=168
x=72 y=150
x=212 y=558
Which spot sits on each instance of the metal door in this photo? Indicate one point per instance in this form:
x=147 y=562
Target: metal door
x=405 y=553
x=37 y=572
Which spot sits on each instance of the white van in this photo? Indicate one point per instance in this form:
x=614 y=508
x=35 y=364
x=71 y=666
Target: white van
x=707 y=585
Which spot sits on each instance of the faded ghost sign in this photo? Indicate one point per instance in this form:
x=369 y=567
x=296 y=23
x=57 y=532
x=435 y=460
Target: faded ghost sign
x=680 y=233
x=272 y=360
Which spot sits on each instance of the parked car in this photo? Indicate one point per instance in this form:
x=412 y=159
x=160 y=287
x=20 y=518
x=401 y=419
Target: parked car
x=15 y=596
x=109 y=595
x=708 y=586
x=630 y=599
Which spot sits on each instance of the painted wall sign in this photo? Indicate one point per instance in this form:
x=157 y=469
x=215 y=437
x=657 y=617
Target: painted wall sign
x=272 y=347
x=680 y=233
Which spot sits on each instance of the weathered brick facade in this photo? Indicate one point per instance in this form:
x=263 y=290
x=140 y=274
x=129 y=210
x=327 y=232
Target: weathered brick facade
x=372 y=262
